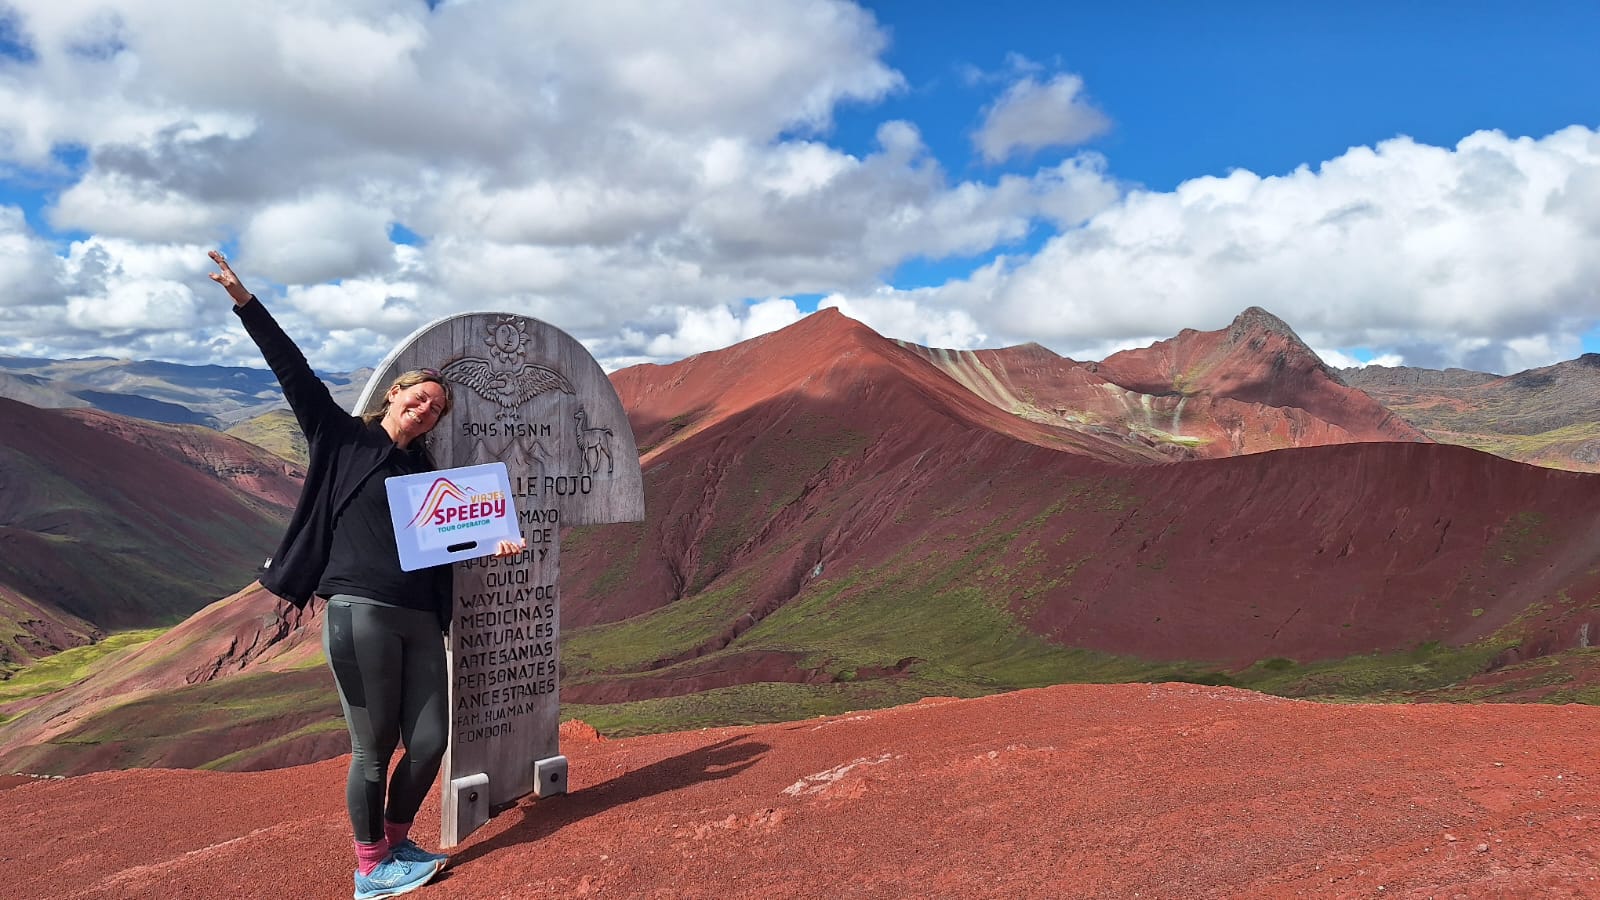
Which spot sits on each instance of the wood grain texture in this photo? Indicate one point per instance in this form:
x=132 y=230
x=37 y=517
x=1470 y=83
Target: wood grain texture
x=524 y=393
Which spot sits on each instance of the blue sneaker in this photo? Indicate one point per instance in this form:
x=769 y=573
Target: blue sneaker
x=393 y=876
x=408 y=851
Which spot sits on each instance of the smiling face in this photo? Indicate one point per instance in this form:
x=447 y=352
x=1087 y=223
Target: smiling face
x=413 y=411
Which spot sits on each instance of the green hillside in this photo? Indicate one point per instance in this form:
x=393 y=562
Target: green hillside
x=275 y=432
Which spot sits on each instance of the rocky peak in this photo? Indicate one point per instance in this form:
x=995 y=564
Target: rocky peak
x=1256 y=320
x=1255 y=326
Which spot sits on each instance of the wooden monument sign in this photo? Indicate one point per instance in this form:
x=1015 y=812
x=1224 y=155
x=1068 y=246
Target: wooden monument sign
x=526 y=394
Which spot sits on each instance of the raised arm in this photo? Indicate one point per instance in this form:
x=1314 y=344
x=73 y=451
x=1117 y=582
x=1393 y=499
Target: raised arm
x=308 y=397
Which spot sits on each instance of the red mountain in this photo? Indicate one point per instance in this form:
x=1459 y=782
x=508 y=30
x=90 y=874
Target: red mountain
x=1033 y=383
x=96 y=524
x=832 y=510
x=1254 y=386
x=247 y=469
x=832 y=358
x=825 y=459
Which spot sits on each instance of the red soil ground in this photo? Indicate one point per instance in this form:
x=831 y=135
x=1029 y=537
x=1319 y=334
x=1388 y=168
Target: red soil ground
x=1073 y=791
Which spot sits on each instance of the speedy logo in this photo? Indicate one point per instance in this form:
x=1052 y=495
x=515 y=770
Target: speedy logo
x=447 y=504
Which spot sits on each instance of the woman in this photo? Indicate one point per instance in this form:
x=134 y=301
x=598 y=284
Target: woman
x=382 y=628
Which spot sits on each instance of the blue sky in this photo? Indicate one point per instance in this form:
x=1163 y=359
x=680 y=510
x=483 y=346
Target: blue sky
x=1203 y=89
x=1407 y=183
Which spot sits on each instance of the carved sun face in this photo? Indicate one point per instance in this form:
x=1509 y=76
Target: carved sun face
x=507 y=337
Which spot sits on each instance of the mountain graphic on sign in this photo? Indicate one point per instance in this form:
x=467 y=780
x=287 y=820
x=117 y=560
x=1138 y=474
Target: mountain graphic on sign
x=441 y=490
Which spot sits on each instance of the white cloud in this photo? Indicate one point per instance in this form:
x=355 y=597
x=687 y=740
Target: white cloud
x=699 y=330
x=591 y=165
x=384 y=307
x=129 y=290
x=1533 y=351
x=319 y=238
x=1031 y=116
x=29 y=270
x=1075 y=190
x=1342 y=360
x=116 y=205
x=636 y=173
x=120 y=298
x=134 y=305
x=905 y=316
x=1477 y=255
x=557 y=152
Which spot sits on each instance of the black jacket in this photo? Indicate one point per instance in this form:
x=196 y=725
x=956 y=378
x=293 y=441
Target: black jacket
x=344 y=452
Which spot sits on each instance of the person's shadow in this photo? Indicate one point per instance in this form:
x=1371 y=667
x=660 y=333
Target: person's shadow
x=716 y=761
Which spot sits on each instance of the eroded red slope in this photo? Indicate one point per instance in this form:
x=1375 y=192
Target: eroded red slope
x=113 y=531
x=245 y=467
x=1032 y=382
x=36 y=629
x=837 y=360
x=751 y=455
x=248 y=631
x=1262 y=365
x=1314 y=554
x=1306 y=554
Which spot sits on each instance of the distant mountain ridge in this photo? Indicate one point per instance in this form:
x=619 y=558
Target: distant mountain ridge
x=1380 y=376
x=839 y=521
x=1548 y=416
x=214 y=396
x=1249 y=387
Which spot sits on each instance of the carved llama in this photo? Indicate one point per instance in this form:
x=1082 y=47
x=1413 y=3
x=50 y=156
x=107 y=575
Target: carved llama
x=593 y=443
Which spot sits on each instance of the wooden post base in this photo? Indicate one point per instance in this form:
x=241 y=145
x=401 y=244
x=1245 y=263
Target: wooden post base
x=469 y=810
x=550 y=776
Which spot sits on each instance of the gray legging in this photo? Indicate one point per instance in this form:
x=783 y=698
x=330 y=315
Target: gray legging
x=389 y=664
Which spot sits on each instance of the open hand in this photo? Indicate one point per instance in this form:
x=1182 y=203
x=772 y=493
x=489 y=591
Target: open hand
x=510 y=548
x=228 y=280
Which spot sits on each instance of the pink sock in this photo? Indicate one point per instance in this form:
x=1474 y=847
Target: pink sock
x=369 y=855
x=396 y=832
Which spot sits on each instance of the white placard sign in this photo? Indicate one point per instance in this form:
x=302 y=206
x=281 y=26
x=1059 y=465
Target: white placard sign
x=450 y=515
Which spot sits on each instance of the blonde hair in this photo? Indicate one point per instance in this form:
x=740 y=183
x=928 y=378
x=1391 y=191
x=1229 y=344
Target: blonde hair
x=412 y=379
